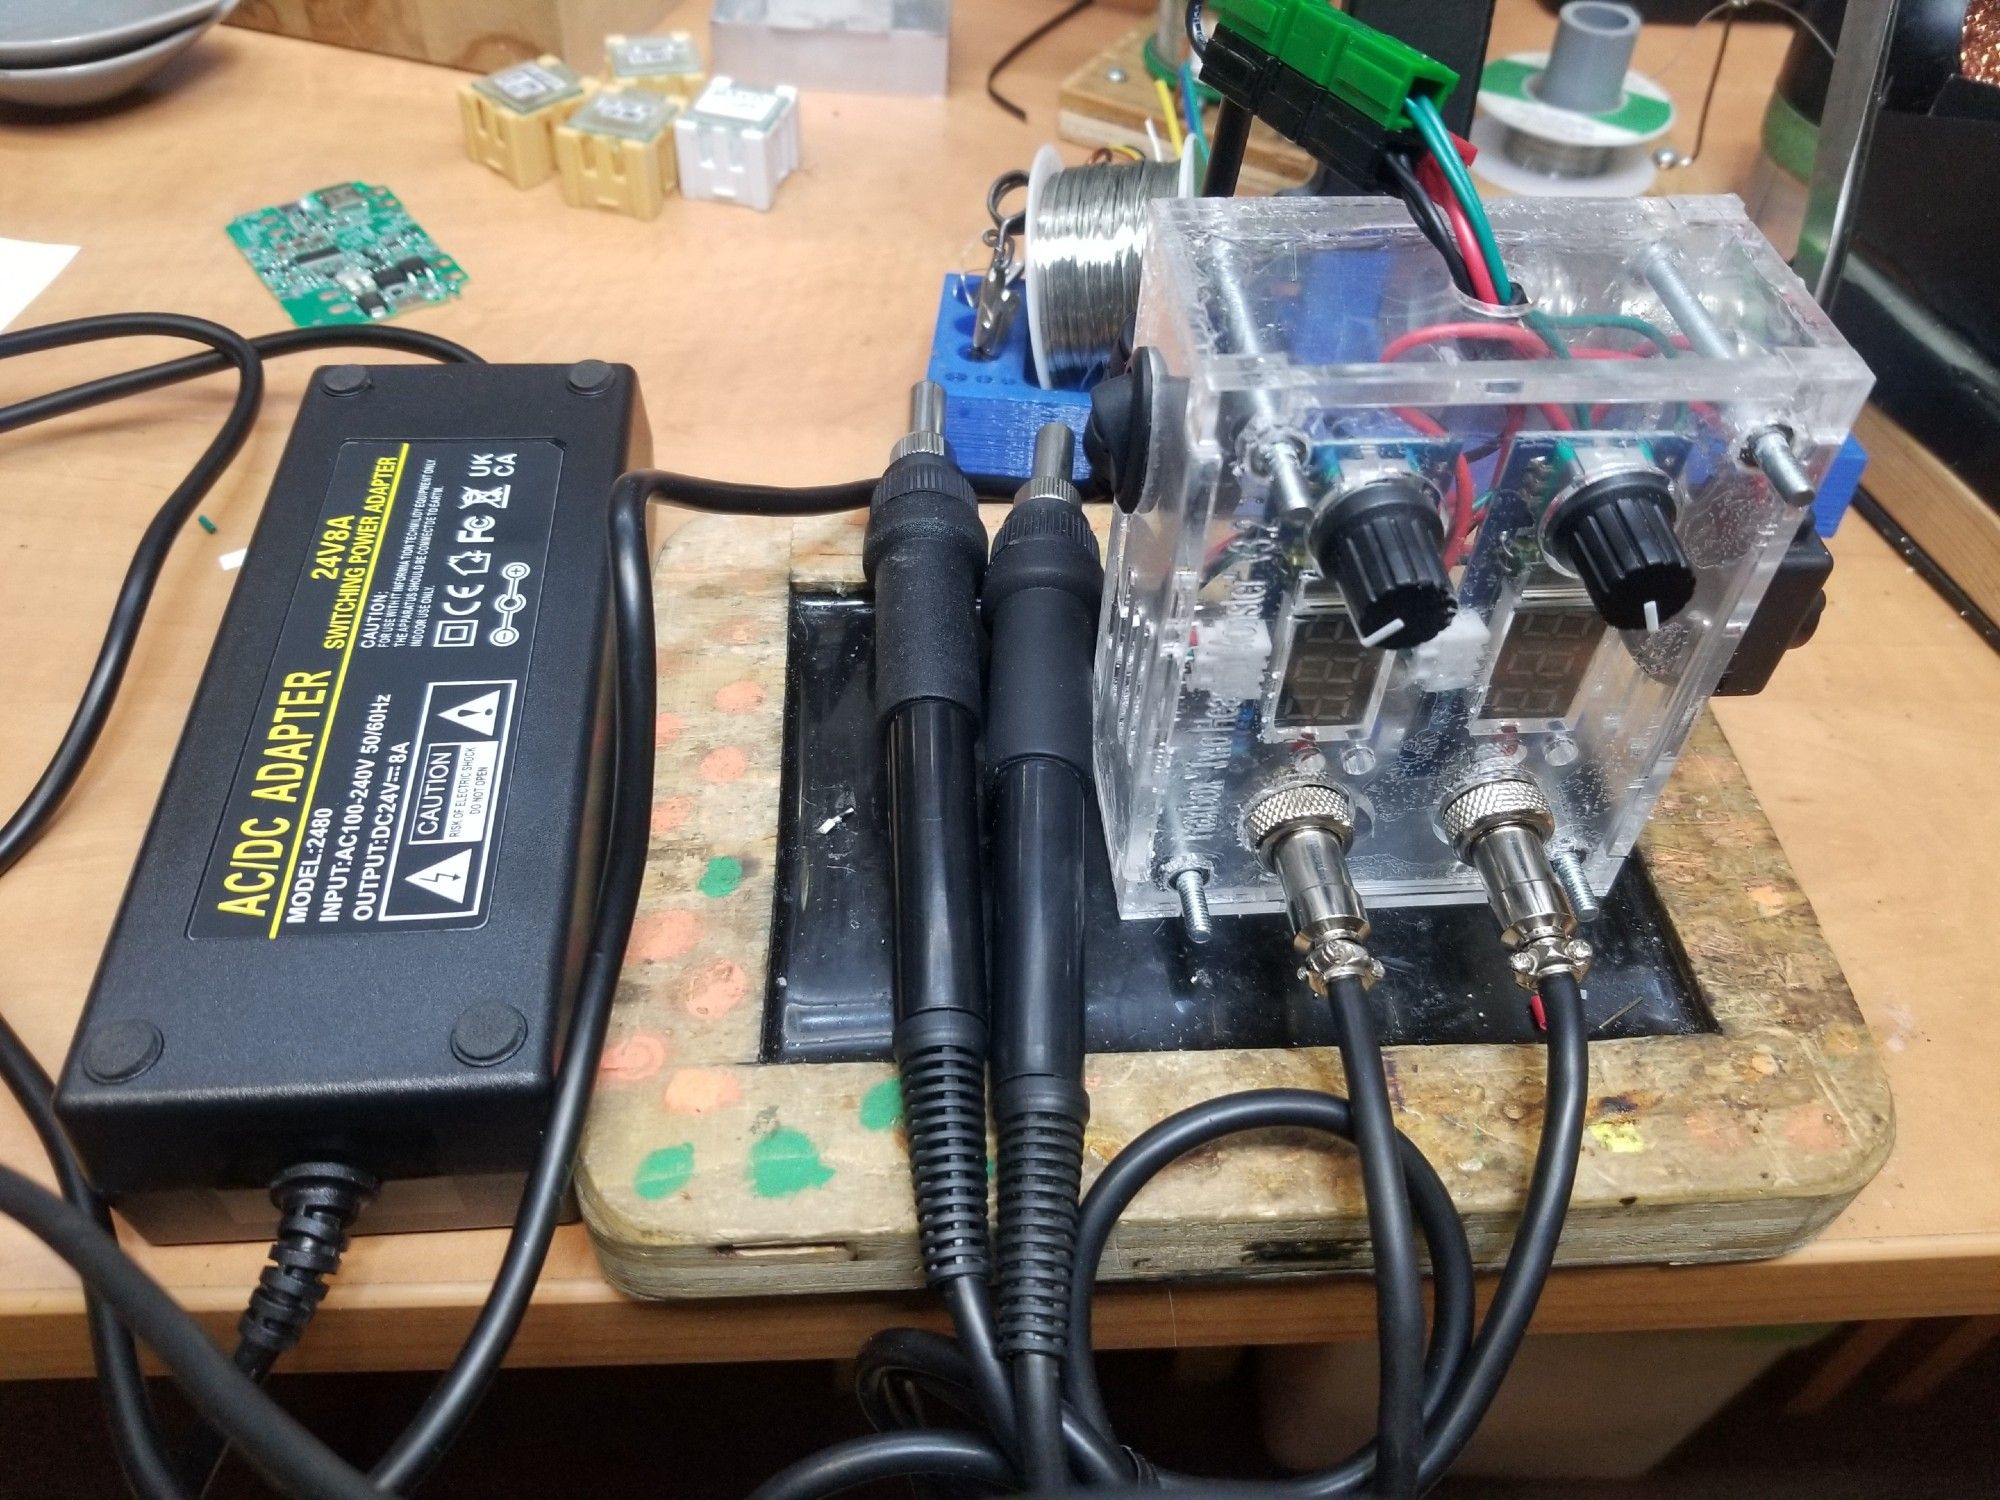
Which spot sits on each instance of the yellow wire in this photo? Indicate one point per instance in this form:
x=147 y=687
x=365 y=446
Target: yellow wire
x=1173 y=118
x=1132 y=151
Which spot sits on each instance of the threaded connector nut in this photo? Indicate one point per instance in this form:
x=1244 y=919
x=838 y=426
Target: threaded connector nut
x=1305 y=803
x=1508 y=798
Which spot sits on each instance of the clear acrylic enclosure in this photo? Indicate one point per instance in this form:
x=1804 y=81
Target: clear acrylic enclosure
x=1316 y=347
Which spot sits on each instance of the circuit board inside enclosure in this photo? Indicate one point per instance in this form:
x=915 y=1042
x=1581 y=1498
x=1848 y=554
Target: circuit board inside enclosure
x=345 y=254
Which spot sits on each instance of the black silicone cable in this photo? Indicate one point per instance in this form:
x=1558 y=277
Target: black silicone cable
x=32 y=818
x=934 y=1364
x=1460 y=1382
x=890 y=1455
x=1399 y=1292
x=453 y=1399
x=135 y=1436
x=1038 y=1413
x=268 y=346
x=1534 y=1250
x=1262 y=1109
x=281 y=1449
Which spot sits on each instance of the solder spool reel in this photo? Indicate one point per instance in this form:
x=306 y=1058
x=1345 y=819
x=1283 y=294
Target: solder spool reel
x=1093 y=235
x=1574 y=121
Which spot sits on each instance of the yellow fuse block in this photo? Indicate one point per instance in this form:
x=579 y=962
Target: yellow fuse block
x=669 y=64
x=510 y=117
x=617 y=152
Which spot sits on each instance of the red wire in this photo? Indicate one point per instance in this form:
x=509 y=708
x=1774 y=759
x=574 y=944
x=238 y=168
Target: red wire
x=1461 y=486
x=1493 y=333
x=1468 y=246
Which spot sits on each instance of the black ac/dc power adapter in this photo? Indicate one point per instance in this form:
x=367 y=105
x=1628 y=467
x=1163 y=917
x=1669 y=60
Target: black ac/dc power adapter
x=358 y=913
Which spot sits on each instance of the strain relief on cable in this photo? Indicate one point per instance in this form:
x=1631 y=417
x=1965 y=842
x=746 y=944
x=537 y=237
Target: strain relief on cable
x=1041 y=1173
x=317 y=1203
x=942 y=1057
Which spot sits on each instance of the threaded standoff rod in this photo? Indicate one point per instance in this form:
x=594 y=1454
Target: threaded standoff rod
x=1767 y=446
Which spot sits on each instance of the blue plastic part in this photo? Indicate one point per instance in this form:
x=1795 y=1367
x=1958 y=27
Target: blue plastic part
x=1836 y=490
x=992 y=407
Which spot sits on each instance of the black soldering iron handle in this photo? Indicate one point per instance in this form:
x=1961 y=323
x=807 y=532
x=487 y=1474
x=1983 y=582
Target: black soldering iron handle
x=1040 y=600
x=924 y=554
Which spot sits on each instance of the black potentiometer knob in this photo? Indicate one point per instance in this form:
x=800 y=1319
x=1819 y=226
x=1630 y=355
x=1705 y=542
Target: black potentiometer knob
x=1616 y=532
x=1382 y=542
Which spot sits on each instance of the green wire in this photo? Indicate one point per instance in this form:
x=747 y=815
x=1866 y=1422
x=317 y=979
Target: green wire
x=1430 y=125
x=1640 y=326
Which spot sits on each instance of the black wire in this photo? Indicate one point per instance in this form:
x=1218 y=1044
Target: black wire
x=282 y=1450
x=890 y=1455
x=128 y=1409
x=1013 y=53
x=1429 y=218
x=912 y=1357
x=1225 y=149
x=453 y=1399
x=1038 y=1414
x=1192 y=20
x=268 y=346
x=1260 y=1109
x=1534 y=1249
x=36 y=811
x=1399 y=1292
x=970 y=1303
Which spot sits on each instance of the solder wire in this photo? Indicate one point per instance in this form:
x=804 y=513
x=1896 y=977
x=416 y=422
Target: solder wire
x=1084 y=240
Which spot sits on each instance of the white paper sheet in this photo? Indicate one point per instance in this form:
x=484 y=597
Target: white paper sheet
x=26 y=269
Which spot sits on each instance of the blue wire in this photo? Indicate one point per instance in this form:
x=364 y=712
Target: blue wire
x=1191 y=104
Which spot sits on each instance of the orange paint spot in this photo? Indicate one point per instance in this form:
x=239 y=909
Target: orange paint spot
x=738 y=697
x=663 y=935
x=1812 y=1128
x=634 y=1058
x=714 y=990
x=725 y=764
x=666 y=729
x=670 y=813
x=696 y=1091
x=742 y=631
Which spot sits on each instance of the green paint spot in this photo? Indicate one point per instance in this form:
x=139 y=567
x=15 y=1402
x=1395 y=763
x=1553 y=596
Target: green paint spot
x=723 y=875
x=785 y=1163
x=206 y=524
x=664 y=1172
x=882 y=1106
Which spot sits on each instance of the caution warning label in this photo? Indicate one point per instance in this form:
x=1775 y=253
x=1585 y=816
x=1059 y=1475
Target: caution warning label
x=371 y=786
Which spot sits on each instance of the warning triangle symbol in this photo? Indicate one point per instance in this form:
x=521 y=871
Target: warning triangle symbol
x=447 y=877
x=477 y=714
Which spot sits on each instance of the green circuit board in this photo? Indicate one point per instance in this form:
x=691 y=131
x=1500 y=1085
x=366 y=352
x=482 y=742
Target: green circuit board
x=345 y=254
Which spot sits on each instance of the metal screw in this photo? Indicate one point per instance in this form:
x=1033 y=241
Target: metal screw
x=344 y=380
x=1521 y=961
x=486 y=1034
x=121 y=1050
x=1568 y=865
x=1114 y=75
x=1191 y=886
x=591 y=377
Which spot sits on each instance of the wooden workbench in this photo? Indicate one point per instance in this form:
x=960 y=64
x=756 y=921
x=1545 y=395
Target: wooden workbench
x=778 y=347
